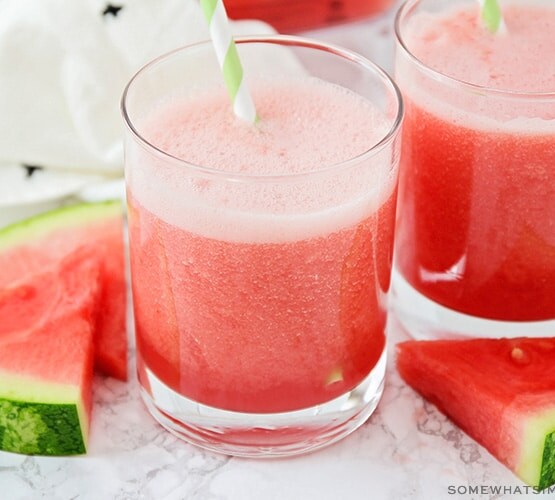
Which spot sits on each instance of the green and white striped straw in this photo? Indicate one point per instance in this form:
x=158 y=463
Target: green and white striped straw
x=492 y=16
x=228 y=58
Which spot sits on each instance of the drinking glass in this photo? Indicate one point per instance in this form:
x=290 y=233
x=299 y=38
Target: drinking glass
x=260 y=299
x=475 y=243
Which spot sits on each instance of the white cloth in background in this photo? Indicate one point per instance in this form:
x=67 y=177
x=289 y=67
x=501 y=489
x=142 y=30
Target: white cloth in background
x=63 y=68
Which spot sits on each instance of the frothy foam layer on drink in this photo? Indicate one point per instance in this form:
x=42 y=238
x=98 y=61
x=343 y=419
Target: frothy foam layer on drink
x=457 y=44
x=306 y=125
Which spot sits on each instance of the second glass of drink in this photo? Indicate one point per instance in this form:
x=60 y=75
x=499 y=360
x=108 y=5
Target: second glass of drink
x=475 y=246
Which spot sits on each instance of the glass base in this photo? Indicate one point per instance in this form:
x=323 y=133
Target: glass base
x=264 y=435
x=424 y=319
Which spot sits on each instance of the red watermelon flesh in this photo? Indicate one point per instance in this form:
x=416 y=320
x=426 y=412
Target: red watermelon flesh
x=499 y=391
x=27 y=247
x=44 y=296
x=46 y=358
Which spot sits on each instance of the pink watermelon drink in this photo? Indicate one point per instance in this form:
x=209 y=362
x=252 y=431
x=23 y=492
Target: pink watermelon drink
x=477 y=192
x=260 y=268
x=274 y=312
x=266 y=326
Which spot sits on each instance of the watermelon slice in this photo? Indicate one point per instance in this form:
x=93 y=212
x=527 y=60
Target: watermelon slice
x=28 y=246
x=499 y=391
x=46 y=358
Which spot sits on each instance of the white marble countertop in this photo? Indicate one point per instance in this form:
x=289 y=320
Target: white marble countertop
x=406 y=450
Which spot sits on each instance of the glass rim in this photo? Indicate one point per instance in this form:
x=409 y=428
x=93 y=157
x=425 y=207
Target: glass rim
x=284 y=40
x=403 y=12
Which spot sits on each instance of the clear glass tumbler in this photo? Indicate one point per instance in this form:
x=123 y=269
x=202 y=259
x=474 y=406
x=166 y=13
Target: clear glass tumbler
x=475 y=243
x=260 y=298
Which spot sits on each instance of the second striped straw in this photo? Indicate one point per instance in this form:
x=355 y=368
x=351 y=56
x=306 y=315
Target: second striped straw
x=492 y=16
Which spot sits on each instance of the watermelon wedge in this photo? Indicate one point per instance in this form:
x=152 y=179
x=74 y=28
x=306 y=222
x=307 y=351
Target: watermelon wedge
x=27 y=247
x=46 y=358
x=499 y=391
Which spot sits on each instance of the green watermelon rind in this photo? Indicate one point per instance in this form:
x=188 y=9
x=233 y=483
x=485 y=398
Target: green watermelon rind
x=40 y=428
x=547 y=474
x=537 y=458
x=41 y=418
x=64 y=217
